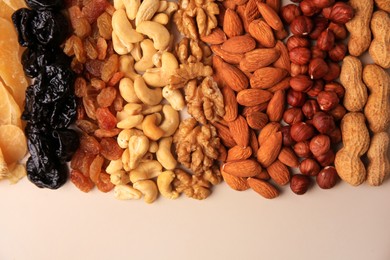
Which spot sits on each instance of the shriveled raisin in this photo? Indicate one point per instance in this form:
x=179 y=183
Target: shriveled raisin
x=98 y=84
x=82 y=182
x=80 y=87
x=89 y=144
x=101 y=46
x=101 y=133
x=110 y=67
x=116 y=78
x=118 y=103
x=104 y=183
x=104 y=25
x=90 y=49
x=95 y=168
x=90 y=107
x=105 y=118
x=106 y=97
x=81 y=27
x=110 y=149
x=86 y=126
x=93 y=9
x=94 y=67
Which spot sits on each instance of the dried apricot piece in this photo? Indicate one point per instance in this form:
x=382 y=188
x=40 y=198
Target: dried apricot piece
x=82 y=182
x=13 y=143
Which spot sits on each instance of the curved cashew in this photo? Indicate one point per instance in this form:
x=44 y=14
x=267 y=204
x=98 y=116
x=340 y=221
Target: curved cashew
x=151 y=129
x=123 y=29
x=132 y=109
x=138 y=147
x=126 y=159
x=148 y=188
x=157 y=59
x=147 y=110
x=147 y=157
x=119 y=177
x=114 y=166
x=159 y=77
x=126 y=192
x=161 y=18
x=162 y=6
x=126 y=65
x=171 y=120
x=155 y=31
x=136 y=51
x=146 y=11
x=153 y=147
x=174 y=97
x=172 y=7
x=129 y=121
x=131 y=8
x=164 y=181
x=126 y=89
x=164 y=154
x=146 y=62
x=125 y=135
x=145 y=171
x=120 y=47
x=146 y=95
x=118 y=4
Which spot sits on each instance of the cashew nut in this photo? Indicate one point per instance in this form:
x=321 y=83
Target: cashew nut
x=162 y=6
x=147 y=157
x=132 y=109
x=146 y=95
x=126 y=65
x=157 y=59
x=126 y=192
x=171 y=120
x=123 y=29
x=129 y=121
x=159 y=77
x=119 y=46
x=145 y=171
x=118 y=4
x=147 y=110
x=147 y=188
x=119 y=177
x=124 y=137
x=174 y=97
x=126 y=89
x=146 y=62
x=172 y=7
x=136 y=52
x=138 y=147
x=161 y=18
x=164 y=154
x=153 y=147
x=150 y=127
x=114 y=166
x=146 y=11
x=164 y=181
x=155 y=31
x=131 y=8
x=126 y=159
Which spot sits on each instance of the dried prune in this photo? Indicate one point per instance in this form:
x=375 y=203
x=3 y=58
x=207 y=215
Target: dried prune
x=22 y=19
x=50 y=27
x=45 y=4
x=65 y=142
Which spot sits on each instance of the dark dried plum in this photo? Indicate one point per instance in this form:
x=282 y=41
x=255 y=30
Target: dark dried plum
x=66 y=142
x=46 y=174
x=45 y=4
x=64 y=113
x=50 y=27
x=22 y=20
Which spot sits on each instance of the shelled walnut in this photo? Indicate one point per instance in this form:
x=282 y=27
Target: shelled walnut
x=191 y=185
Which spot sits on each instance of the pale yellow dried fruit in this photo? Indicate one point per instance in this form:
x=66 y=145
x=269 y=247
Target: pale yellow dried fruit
x=9 y=111
x=13 y=143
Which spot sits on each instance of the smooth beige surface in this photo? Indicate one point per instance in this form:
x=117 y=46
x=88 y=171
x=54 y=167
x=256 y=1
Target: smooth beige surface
x=342 y=223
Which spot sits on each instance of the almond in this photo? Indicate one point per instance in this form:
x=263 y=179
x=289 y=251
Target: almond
x=229 y=4
x=239 y=44
x=222 y=153
x=262 y=32
x=275 y=107
x=270 y=16
x=232 y=25
x=279 y=172
x=224 y=135
x=263 y=175
x=217 y=36
x=254 y=144
x=232 y=58
x=257 y=120
x=288 y=157
x=232 y=77
x=253 y=97
x=243 y=168
x=248 y=110
x=239 y=130
x=263 y=188
x=241 y=13
x=274 y=4
x=251 y=11
x=269 y=149
x=282 y=85
x=267 y=77
x=270 y=129
x=236 y=183
x=283 y=61
x=240 y=2
x=238 y=153
x=231 y=106
x=259 y=58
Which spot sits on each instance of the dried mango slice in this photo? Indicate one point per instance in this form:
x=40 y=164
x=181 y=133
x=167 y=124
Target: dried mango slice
x=11 y=70
x=9 y=111
x=15 y=4
x=4 y=172
x=17 y=173
x=5 y=11
x=13 y=143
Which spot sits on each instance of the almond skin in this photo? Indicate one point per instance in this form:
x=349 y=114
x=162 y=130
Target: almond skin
x=275 y=107
x=262 y=32
x=267 y=77
x=217 y=36
x=269 y=150
x=279 y=173
x=239 y=44
x=259 y=58
x=224 y=135
x=288 y=157
x=232 y=58
x=238 y=153
x=232 y=25
x=263 y=188
x=270 y=16
x=254 y=144
x=253 y=97
x=239 y=130
x=243 y=168
x=257 y=120
x=283 y=61
x=236 y=183
x=231 y=106
x=251 y=11
x=230 y=75
x=270 y=129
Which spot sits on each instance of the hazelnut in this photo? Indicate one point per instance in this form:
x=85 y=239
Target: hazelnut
x=289 y=12
x=309 y=167
x=297 y=41
x=335 y=136
x=338 y=52
x=335 y=87
x=281 y=34
x=300 y=55
x=326 y=40
x=310 y=108
x=301 y=83
x=308 y=8
x=317 y=53
x=287 y=139
x=301 y=25
x=298 y=69
x=339 y=30
x=338 y=112
x=319 y=145
x=293 y=115
x=296 y=1
x=326 y=12
x=323 y=122
x=317 y=68
x=323 y=3
x=327 y=178
x=299 y=184
x=302 y=149
x=334 y=71
x=327 y=100
x=301 y=131
x=296 y=98
x=341 y=13
x=320 y=24
x=326 y=159
x=318 y=86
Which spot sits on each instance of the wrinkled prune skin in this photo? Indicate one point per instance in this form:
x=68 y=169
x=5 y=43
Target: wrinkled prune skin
x=22 y=20
x=46 y=175
x=65 y=143
x=45 y=4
